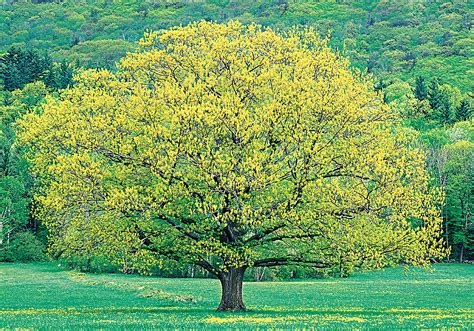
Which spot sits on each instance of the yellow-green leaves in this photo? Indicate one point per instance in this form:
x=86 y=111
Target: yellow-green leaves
x=226 y=144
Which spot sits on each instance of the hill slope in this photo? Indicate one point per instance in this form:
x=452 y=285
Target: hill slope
x=393 y=39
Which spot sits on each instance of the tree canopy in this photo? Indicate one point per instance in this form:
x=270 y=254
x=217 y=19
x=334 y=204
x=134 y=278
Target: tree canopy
x=231 y=146
x=17 y=242
x=397 y=40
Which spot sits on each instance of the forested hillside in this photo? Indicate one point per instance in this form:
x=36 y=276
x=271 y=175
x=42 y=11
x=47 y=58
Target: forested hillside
x=420 y=54
x=393 y=39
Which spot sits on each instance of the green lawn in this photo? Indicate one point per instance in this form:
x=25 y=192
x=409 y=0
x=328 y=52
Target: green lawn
x=44 y=296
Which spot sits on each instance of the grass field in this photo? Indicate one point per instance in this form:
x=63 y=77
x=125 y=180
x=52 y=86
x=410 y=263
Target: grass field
x=44 y=296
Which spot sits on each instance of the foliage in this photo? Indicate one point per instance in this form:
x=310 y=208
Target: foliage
x=232 y=141
x=24 y=247
x=434 y=103
x=450 y=161
x=421 y=90
x=16 y=183
x=391 y=299
x=400 y=42
x=25 y=79
x=464 y=111
x=91 y=263
x=445 y=121
x=393 y=39
x=19 y=67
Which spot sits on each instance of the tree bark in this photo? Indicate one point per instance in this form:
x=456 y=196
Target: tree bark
x=231 y=282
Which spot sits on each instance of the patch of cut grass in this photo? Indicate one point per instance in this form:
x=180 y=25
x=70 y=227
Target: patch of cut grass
x=45 y=297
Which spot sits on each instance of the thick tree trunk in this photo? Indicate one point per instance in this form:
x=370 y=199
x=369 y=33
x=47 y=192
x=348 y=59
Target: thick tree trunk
x=231 y=282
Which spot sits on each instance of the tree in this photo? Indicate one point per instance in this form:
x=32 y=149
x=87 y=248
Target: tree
x=19 y=67
x=442 y=98
x=460 y=170
x=16 y=183
x=421 y=90
x=64 y=75
x=445 y=113
x=435 y=96
x=228 y=147
x=449 y=159
x=380 y=86
x=463 y=111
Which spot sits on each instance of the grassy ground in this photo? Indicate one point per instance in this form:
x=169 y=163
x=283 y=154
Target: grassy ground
x=43 y=296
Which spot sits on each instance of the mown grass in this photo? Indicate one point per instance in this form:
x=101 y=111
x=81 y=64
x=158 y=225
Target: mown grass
x=44 y=296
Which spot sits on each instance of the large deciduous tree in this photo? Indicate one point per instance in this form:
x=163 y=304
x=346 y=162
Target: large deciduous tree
x=231 y=146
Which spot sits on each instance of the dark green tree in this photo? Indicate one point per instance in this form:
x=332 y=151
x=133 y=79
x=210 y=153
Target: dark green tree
x=440 y=103
x=64 y=75
x=435 y=96
x=19 y=67
x=51 y=79
x=421 y=90
x=444 y=113
x=380 y=86
x=463 y=111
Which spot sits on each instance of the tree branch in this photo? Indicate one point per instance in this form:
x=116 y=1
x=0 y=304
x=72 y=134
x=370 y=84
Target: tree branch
x=272 y=262
x=262 y=234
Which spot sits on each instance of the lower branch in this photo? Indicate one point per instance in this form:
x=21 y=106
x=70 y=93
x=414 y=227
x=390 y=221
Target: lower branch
x=273 y=262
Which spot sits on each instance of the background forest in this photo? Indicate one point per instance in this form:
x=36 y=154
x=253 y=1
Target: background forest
x=419 y=52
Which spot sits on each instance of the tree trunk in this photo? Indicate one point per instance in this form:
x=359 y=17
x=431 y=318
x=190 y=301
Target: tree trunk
x=461 y=254
x=231 y=282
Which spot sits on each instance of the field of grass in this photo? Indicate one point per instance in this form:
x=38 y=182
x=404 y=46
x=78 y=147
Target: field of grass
x=46 y=297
